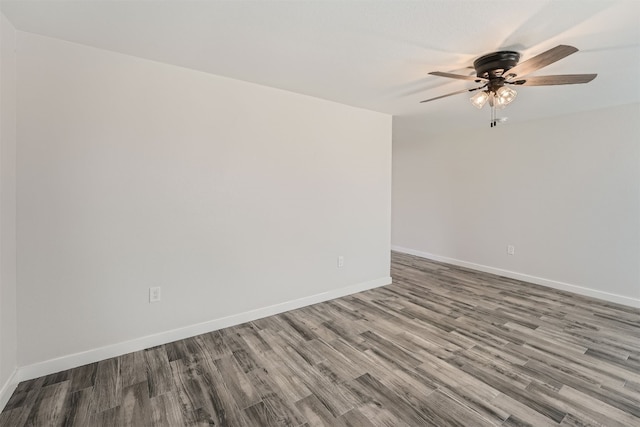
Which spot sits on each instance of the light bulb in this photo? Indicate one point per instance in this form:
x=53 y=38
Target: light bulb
x=504 y=96
x=479 y=99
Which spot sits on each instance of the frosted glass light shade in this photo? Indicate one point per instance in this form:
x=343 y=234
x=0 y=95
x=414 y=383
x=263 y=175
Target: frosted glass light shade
x=479 y=99
x=505 y=95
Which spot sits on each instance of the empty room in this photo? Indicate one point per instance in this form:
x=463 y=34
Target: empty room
x=320 y=213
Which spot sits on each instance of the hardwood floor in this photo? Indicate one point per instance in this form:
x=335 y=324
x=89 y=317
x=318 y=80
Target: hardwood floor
x=441 y=346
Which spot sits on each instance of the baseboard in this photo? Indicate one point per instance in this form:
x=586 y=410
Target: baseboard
x=8 y=388
x=606 y=296
x=78 y=359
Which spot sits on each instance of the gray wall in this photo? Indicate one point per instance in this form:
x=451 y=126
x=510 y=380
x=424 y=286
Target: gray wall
x=229 y=195
x=564 y=191
x=8 y=318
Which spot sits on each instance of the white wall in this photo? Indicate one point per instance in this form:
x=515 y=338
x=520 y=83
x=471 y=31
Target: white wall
x=230 y=196
x=564 y=191
x=8 y=318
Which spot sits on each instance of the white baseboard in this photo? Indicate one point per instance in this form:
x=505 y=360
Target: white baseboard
x=90 y=356
x=606 y=296
x=8 y=388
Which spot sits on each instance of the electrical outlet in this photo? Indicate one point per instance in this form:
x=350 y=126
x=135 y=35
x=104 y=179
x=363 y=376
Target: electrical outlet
x=511 y=250
x=154 y=294
x=340 y=261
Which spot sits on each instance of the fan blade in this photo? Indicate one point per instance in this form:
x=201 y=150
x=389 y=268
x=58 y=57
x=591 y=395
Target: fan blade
x=542 y=60
x=456 y=76
x=563 y=79
x=454 y=93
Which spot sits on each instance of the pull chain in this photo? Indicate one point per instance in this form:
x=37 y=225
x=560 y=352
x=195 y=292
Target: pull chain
x=493 y=115
x=492 y=103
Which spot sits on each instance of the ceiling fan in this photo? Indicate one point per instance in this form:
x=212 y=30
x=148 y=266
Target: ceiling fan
x=499 y=70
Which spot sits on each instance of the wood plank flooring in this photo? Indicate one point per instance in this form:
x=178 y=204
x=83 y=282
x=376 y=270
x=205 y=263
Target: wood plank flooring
x=441 y=346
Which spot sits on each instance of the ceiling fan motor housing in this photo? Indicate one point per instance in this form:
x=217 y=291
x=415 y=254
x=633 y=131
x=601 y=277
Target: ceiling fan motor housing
x=496 y=64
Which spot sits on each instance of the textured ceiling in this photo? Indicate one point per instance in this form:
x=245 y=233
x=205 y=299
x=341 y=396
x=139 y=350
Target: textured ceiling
x=369 y=54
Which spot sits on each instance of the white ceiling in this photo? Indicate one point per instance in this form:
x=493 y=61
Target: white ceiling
x=369 y=54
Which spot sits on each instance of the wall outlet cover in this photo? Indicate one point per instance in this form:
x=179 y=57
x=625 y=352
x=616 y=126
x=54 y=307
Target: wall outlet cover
x=154 y=294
